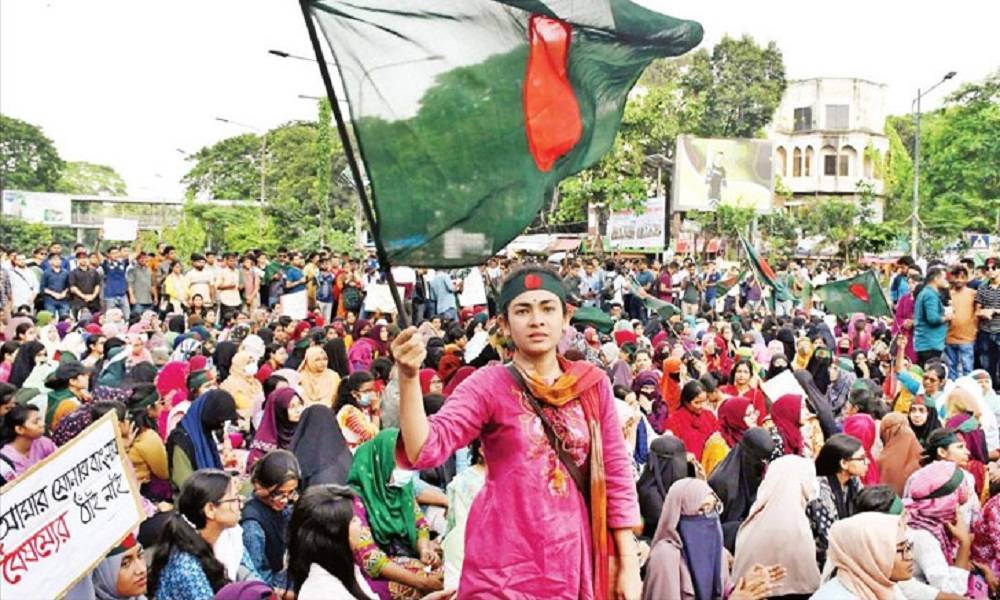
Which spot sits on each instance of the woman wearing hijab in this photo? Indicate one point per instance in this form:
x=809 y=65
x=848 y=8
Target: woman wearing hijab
x=222 y=358
x=900 y=456
x=171 y=384
x=319 y=384
x=686 y=559
x=28 y=355
x=191 y=445
x=736 y=415
x=778 y=364
x=820 y=421
x=390 y=538
x=868 y=555
x=941 y=540
x=923 y=419
x=120 y=576
x=738 y=477
x=670 y=385
x=277 y=428
x=694 y=423
x=819 y=369
x=964 y=416
x=786 y=420
x=842 y=379
x=864 y=429
x=986 y=540
x=777 y=531
x=667 y=463
x=320 y=448
x=361 y=355
x=646 y=386
x=243 y=386
x=336 y=356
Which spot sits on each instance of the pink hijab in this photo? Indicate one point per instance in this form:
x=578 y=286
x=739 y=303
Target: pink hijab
x=862 y=427
x=171 y=383
x=931 y=514
x=863 y=549
x=667 y=574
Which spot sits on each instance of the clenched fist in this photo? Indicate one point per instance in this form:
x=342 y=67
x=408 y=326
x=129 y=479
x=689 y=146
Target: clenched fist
x=409 y=351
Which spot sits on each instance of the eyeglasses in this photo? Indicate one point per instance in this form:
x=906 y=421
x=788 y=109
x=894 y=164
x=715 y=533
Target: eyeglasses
x=905 y=549
x=861 y=458
x=239 y=500
x=291 y=496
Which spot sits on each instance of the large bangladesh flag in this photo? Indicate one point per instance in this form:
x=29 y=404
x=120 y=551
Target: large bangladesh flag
x=469 y=112
x=859 y=294
x=765 y=274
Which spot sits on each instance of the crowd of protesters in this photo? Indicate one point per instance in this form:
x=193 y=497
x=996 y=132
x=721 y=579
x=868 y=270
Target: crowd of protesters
x=290 y=440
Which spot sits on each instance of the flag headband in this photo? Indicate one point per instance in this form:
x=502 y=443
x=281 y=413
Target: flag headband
x=950 y=486
x=530 y=280
x=896 y=508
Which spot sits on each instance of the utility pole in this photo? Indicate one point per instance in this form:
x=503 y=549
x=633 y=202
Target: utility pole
x=915 y=215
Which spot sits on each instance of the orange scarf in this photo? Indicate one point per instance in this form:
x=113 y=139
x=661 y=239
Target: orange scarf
x=579 y=380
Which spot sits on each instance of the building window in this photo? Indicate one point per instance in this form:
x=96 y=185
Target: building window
x=837 y=116
x=846 y=157
x=844 y=166
x=803 y=118
x=809 y=159
x=797 y=163
x=830 y=164
x=782 y=161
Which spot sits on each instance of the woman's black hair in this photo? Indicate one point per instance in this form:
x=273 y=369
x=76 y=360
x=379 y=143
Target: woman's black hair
x=17 y=417
x=8 y=349
x=867 y=403
x=381 y=367
x=839 y=447
x=433 y=403
x=276 y=468
x=351 y=383
x=271 y=383
x=181 y=530
x=454 y=333
x=92 y=341
x=938 y=368
x=7 y=392
x=476 y=452
x=690 y=391
x=709 y=382
x=22 y=328
x=875 y=498
x=620 y=391
x=736 y=365
x=318 y=533
x=935 y=440
x=111 y=344
x=99 y=409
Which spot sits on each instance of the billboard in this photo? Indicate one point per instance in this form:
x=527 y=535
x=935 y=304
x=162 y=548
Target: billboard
x=626 y=229
x=37 y=207
x=709 y=172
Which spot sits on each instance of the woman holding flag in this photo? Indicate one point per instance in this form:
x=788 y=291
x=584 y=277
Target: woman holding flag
x=559 y=505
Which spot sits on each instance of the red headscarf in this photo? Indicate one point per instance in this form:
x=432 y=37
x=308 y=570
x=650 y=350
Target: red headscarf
x=447 y=366
x=625 y=337
x=692 y=428
x=732 y=419
x=426 y=376
x=461 y=374
x=862 y=427
x=670 y=388
x=786 y=414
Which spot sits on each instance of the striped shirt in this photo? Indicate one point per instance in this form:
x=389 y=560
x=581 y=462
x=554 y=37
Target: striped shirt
x=988 y=296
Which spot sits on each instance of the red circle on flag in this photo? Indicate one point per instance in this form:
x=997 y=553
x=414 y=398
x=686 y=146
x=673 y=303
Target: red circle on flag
x=532 y=282
x=859 y=291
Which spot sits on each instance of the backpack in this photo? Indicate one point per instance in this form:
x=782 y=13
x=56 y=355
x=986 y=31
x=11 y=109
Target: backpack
x=353 y=299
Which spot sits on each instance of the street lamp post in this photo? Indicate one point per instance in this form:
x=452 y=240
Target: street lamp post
x=915 y=216
x=263 y=151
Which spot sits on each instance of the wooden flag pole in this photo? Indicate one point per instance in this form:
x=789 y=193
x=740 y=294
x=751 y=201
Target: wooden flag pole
x=352 y=163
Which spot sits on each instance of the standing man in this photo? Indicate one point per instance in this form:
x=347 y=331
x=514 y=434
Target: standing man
x=200 y=280
x=645 y=280
x=712 y=278
x=115 y=284
x=227 y=284
x=443 y=295
x=691 y=289
x=988 y=313
x=960 y=343
x=23 y=283
x=85 y=286
x=142 y=293
x=55 y=287
x=930 y=321
x=250 y=283
x=899 y=285
x=294 y=301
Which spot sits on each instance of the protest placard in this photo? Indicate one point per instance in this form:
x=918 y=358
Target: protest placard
x=60 y=518
x=295 y=305
x=378 y=298
x=120 y=230
x=783 y=383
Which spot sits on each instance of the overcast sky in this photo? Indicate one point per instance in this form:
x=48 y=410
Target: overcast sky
x=133 y=84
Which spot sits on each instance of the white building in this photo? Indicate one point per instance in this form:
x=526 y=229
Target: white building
x=829 y=135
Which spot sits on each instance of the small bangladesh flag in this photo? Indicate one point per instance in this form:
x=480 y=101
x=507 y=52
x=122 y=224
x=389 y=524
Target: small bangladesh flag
x=660 y=307
x=468 y=113
x=859 y=294
x=764 y=273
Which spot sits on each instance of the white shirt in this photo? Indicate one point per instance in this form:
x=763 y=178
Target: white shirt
x=930 y=566
x=24 y=286
x=321 y=585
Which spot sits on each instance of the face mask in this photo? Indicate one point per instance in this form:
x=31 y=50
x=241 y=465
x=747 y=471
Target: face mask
x=365 y=399
x=401 y=477
x=250 y=369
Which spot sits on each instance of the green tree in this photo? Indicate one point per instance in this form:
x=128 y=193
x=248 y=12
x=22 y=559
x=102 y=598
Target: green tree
x=79 y=177
x=741 y=84
x=22 y=235
x=189 y=235
x=226 y=170
x=28 y=159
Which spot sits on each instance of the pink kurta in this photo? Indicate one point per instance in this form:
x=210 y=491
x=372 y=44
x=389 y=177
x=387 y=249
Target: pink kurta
x=528 y=532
